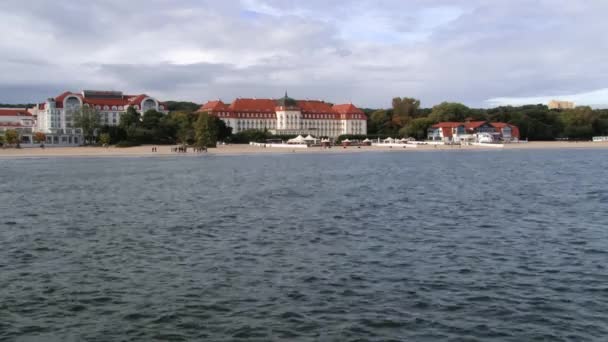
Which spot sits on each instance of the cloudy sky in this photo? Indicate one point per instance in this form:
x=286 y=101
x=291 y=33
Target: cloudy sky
x=478 y=52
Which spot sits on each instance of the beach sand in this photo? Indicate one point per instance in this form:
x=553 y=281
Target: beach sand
x=146 y=151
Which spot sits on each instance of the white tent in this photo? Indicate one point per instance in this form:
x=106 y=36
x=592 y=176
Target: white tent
x=389 y=140
x=345 y=141
x=297 y=140
x=311 y=138
x=367 y=141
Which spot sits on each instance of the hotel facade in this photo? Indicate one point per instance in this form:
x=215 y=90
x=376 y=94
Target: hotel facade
x=286 y=116
x=55 y=117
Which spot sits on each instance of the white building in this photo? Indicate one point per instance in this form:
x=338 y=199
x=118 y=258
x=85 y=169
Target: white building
x=55 y=116
x=475 y=131
x=288 y=116
x=20 y=120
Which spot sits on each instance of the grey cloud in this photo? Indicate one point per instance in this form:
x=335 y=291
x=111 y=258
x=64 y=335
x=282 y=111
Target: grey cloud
x=199 y=50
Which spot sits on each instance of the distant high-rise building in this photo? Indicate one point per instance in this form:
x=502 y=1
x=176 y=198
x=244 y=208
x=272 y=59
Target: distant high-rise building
x=555 y=104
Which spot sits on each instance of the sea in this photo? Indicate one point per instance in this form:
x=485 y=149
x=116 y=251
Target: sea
x=376 y=246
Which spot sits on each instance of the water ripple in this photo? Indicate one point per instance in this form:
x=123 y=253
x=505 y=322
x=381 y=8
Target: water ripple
x=503 y=246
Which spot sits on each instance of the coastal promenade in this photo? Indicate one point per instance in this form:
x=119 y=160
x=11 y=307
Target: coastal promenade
x=165 y=151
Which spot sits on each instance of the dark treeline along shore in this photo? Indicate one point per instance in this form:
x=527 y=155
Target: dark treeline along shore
x=405 y=118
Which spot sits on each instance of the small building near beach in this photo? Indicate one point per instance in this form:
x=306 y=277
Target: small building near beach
x=470 y=131
x=287 y=116
x=20 y=120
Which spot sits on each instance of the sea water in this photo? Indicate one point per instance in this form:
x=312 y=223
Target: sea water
x=420 y=246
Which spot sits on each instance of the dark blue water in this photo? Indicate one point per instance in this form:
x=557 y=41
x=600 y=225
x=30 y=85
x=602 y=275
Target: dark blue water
x=461 y=246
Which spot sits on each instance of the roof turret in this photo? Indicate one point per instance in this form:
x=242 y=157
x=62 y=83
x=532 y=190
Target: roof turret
x=286 y=102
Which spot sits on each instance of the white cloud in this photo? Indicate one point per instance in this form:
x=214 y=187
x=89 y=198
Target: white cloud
x=596 y=98
x=364 y=51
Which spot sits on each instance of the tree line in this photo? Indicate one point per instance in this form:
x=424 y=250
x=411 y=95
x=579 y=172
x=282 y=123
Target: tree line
x=184 y=126
x=406 y=118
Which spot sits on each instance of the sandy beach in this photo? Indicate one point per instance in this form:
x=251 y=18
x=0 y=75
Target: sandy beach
x=163 y=151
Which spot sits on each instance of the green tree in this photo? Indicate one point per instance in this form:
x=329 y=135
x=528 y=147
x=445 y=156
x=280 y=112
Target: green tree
x=205 y=131
x=129 y=121
x=255 y=135
x=105 y=139
x=181 y=122
x=222 y=130
x=450 y=111
x=89 y=120
x=152 y=119
x=417 y=128
x=380 y=122
x=39 y=137
x=404 y=109
x=189 y=107
x=11 y=136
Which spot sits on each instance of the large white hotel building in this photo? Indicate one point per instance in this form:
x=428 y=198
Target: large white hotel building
x=289 y=116
x=55 y=116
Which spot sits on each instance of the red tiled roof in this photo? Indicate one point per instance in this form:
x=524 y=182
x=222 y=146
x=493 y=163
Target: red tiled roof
x=14 y=112
x=447 y=125
x=347 y=109
x=253 y=105
x=474 y=124
x=317 y=110
x=500 y=125
x=446 y=131
x=312 y=109
x=125 y=100
x=214 y=106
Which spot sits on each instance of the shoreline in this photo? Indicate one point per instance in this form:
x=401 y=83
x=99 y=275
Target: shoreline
x=234 y=150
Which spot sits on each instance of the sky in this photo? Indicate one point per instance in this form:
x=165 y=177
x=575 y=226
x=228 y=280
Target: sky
x=479 y=52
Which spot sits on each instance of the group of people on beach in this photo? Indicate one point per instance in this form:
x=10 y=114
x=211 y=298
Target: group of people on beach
x=184 y=149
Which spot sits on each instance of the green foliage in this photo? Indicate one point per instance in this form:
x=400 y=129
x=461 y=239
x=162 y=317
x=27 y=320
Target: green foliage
x=22 y=105
x=89 y=120
x=116 y=133
x=251 y=135
x=129 y=122
x=11 y=137
x=205 y=132
x=151 y=119
x=449 y=111
x=105 y=139
x=417 y=128
x=380 y=121
x=2 y=140
x=535 y=122
x=223 y=132
x=184 y=130
x=404 y=109
x=39 y=137
x=182 y=106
